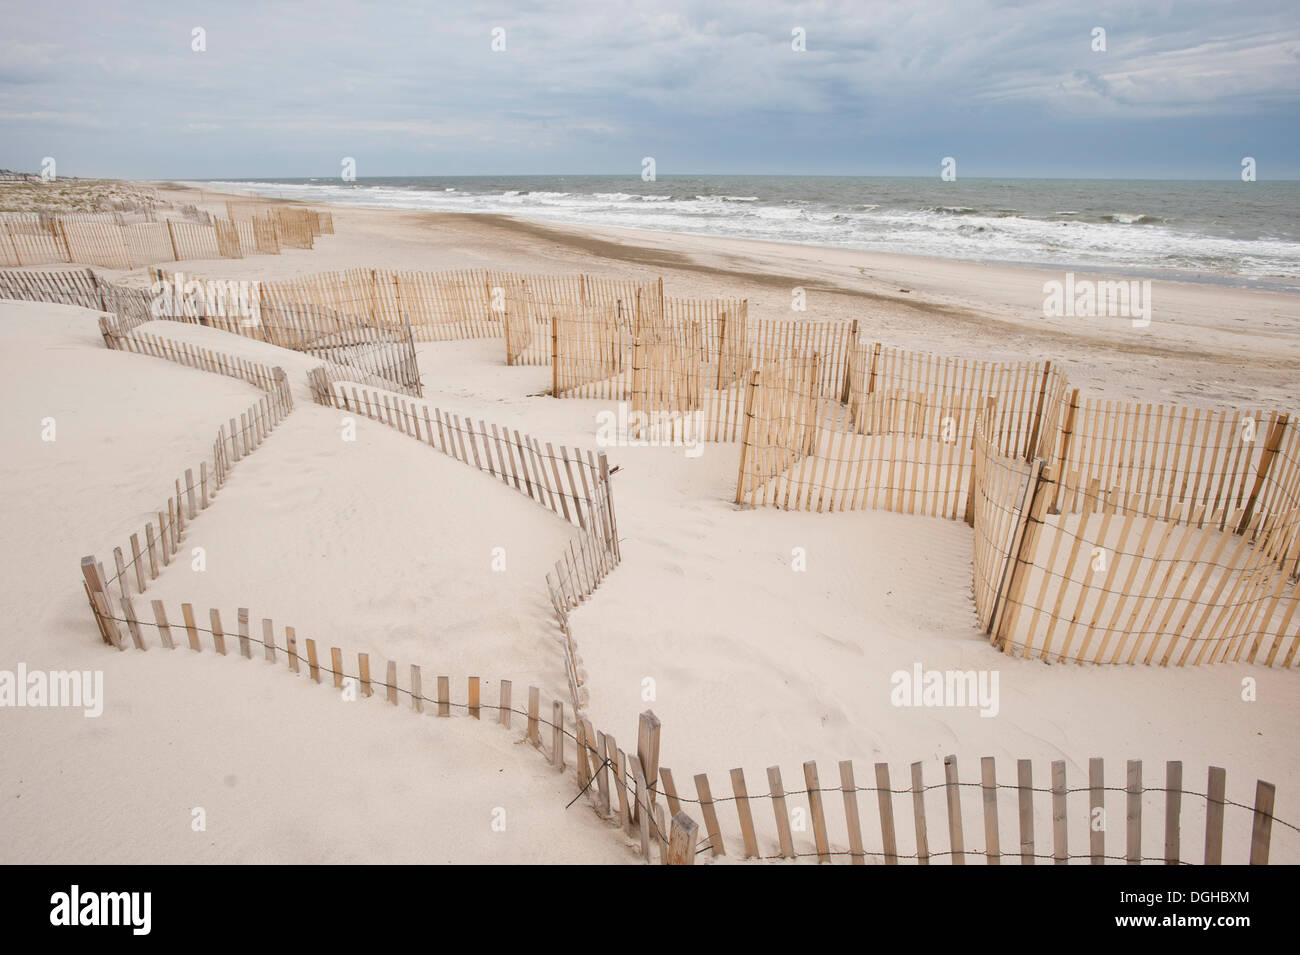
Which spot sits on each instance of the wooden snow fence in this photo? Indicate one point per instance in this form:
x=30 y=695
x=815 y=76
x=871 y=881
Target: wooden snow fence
x=195 y=490
x=1104 y=532
x=1016 y=821
x=571 y=483
x=79 y=287
x=108 y=241
x=624 y=789
x=685 y=370
x=1187 y=555
x=382 y=352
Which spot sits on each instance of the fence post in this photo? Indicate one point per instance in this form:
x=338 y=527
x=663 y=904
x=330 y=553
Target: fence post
x=97 y=592
x=1025 y=794
x=1060 y=834
x=989 y=404
x=1011 y=594
x=849 y=787
x=1214 y=803
x=555 y=362
x=1031 y=449
x=1134 y=793
x=956 y=841
x=847 y=391
x=989 y=782
x=1173 y=810
x=780 y=812
x=1096 y=806
x=681 y=843
x=815 y=807
x=746 y=434
x=1265 y=465
x=647 y=750
x=918 y=815
x=1262 y=828
x=1067 y=436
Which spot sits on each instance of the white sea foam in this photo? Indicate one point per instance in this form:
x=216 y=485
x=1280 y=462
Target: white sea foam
x=1127 y=240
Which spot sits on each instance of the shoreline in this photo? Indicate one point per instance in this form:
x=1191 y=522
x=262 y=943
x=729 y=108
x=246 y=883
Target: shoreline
x=1267 y=284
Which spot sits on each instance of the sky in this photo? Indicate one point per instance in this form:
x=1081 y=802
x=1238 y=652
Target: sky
x=1181 y=90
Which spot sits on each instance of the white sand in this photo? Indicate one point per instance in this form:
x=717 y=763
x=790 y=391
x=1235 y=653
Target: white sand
x=285 y=771
x=383 y=546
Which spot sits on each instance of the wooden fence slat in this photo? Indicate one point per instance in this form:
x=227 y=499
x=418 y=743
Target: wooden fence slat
x=557 y=736
x=1096 y=811
x=1025 y=794
x=989 y=784
x=681 y=842
x=744 y=813
x=953 y=791
x=850 y=790
x=1262 y=824
x=780 y=811
x=164 y=630
x=1133 y=851
x=918 y=815
x=1173 y=810
x=817 y=810
x=1060 y=837
x=885 y=802
x=1215 y=790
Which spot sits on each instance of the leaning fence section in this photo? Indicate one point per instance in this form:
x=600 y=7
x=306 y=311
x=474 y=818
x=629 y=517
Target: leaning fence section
x=346 y=333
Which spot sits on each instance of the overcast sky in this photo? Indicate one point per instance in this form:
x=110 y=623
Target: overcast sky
x=1183 y=90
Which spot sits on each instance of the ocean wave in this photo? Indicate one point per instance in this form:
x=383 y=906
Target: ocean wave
x=1128 y=218
x=892 y=223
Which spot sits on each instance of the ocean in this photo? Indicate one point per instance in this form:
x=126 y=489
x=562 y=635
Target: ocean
x=1240 y=233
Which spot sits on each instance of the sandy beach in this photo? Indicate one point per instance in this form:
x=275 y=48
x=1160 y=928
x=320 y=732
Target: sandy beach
x=383 y=548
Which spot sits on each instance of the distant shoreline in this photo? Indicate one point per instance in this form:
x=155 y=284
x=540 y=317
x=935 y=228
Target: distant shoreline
x=1053 y=270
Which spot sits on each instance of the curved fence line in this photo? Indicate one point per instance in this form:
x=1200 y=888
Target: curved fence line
x=587 y=502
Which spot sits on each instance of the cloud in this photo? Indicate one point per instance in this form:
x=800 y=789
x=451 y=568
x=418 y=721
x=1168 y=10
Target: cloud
x=579 y=82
